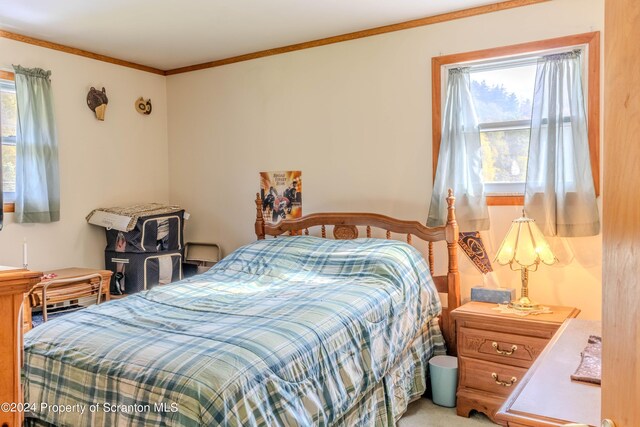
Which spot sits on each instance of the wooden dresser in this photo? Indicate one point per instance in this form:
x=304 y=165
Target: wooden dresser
x=547 y=396
x=495 y=350
x=14 y=284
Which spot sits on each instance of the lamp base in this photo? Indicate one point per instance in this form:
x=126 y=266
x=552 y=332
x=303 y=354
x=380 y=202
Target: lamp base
x=524 y=304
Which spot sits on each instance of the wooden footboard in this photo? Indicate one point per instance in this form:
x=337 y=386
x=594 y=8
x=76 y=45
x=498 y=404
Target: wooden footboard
x=345 y=226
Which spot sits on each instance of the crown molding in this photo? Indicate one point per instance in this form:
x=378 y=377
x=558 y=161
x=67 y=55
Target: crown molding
x=429 y=20
x=79 y=52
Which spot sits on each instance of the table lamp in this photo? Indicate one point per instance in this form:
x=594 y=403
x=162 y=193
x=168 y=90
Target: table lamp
x=524 y=248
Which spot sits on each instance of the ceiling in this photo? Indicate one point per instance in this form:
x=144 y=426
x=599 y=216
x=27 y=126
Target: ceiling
x=168 y=34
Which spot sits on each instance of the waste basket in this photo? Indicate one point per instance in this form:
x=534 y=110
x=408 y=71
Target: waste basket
x=444 y=380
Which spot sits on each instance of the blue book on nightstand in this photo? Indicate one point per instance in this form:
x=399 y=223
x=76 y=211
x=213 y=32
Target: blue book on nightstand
x=498 y=296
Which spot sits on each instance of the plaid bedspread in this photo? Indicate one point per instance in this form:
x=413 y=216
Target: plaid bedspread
x=286 y=331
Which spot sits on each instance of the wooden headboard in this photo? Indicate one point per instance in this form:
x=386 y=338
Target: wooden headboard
x=345 y=226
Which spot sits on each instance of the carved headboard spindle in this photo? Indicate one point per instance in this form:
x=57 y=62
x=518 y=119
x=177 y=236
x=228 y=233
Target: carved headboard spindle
x=409 y=238
x=259 y=226
x=324 y=231
x=388 y=235
x=306 y=231
x=368 y=231
x=453 y=275
x=431 y=261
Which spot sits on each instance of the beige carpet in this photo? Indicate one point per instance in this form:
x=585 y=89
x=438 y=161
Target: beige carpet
x=423 y=413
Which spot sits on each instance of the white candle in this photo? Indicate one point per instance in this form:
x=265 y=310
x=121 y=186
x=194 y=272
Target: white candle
x=24 y=253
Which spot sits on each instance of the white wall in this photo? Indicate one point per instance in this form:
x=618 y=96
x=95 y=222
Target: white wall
x=119 y=161
x=355 y=117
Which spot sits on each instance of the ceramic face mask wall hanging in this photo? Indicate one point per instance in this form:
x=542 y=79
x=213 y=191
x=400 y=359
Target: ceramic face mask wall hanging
x=97 y=102
x=142 y=106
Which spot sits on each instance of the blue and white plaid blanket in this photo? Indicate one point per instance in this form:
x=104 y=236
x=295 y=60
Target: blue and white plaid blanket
x=286 y=331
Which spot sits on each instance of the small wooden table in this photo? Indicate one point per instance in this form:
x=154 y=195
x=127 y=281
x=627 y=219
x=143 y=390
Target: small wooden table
x=70 y=291
x=547 y=396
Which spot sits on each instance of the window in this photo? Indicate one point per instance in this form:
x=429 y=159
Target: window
x=502 y=94
x=8 y=119
x=502 y=86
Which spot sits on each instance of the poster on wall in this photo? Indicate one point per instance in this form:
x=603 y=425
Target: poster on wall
x=281 y=194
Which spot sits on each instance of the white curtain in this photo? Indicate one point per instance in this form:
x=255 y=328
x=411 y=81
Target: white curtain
x=460 y=159
x=37 y=182
x=559 y=193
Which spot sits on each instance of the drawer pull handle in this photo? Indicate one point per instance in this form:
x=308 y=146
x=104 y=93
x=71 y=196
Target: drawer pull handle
x=504 y=352
x=503 y=383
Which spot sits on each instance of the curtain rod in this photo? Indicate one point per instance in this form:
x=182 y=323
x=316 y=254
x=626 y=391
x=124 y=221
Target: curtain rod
x=492 y=64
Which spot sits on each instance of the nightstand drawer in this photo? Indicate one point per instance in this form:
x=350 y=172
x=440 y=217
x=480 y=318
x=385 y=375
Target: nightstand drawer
x=491 y=377
x=517 y=350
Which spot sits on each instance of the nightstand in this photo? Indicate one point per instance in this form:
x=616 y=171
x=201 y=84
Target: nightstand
x=495 y=350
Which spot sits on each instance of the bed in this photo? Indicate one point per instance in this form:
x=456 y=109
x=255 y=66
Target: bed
x=296 y=330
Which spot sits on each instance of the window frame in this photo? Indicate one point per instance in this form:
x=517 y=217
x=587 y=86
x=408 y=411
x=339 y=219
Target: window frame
x=7 y=75
x=590 y=40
